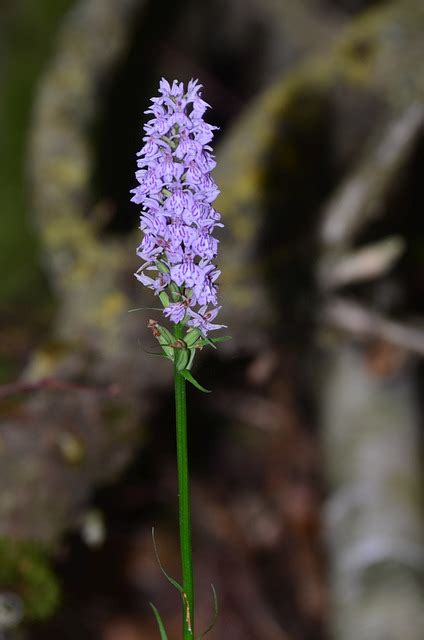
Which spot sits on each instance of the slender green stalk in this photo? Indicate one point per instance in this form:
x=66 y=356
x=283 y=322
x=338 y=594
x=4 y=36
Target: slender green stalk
x=184 y=501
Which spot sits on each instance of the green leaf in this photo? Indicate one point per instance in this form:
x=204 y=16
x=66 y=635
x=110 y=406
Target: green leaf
x=181 y=358
x=188 y=376
x=170 y=579
x=161 y=626
x=215 y=615
x=167 y=576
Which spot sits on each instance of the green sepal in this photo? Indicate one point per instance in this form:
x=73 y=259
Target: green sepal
x=188 y=376
x=181 y=358
x=192 y=336
x=161 y=626
x=174 y=290
x=164 y=298
x=162 y=267
x=171 y=143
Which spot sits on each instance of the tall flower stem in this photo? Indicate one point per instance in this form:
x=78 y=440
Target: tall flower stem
x=184 y=500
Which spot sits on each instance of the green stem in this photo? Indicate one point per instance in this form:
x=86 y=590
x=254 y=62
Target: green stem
x=184 y=500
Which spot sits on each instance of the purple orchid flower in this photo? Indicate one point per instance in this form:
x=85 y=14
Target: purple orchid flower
x=176 y=192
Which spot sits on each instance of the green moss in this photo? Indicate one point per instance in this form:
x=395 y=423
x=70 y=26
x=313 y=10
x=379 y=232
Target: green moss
x=8 y=369
x=114 y=413
x=26 y=571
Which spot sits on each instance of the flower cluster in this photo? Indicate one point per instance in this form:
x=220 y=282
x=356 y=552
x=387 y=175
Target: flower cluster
x=176 y=192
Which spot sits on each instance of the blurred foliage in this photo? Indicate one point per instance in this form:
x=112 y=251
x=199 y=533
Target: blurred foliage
x=25 y=26
x=25 y=570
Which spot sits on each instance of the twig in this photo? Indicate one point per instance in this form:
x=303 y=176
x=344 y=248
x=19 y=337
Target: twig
x=367 y=263
x=52 y=384
x=362 y=322
x=360 y=198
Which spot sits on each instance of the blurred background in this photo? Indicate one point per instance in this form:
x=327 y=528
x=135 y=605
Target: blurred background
x=307 y=457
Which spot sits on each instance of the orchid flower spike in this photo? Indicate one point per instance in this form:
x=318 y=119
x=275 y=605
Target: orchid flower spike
x=176 y=192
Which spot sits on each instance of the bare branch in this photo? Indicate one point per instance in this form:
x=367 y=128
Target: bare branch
x=360 y=198
x=362 y=322
x=367 y=263
x=52 y=384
